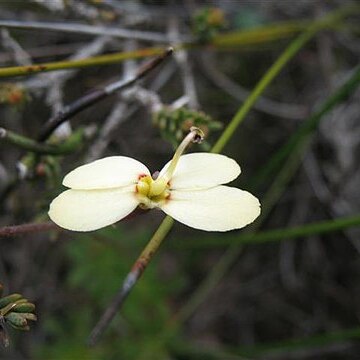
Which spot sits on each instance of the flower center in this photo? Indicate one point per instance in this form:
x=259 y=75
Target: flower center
x=152 y=192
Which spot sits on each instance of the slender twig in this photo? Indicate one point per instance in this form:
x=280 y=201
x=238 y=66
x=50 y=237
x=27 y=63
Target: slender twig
x=316 y=228
x=285 y=349
x=287 y=173
x=54 y=82
x=100 y=94
x=68 y=146
x=17 y=230
x=182 y=59
x=243 y=38
x=86 y=29
x=130 y=280
x=258 y=35
x=307 y=128
x=274 y=70
x=83 y=63
x=262 y=34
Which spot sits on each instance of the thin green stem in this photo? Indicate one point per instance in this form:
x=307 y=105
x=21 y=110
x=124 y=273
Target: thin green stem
x=23 y=142
x=130 y=280
x=300 y=344
x=82 y=63
x=306 y=130
x=233 y=39
x=317 y=228
x=277 y=348
x=156 y=240
x=261 y=34
x=195 y=136
x=274 y=70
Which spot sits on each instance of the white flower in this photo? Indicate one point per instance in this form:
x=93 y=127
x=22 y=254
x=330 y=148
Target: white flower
x=189 y=189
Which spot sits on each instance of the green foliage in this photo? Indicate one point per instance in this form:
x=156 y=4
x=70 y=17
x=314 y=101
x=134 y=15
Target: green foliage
x=15 y=311
x=207 y=23
x=99 y=263
x=175 y=124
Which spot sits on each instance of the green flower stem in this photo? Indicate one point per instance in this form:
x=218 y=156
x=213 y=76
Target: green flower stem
x=69 y=146
x=131 y=279
x=156 y=239
x=194 y=136
x=316 y=228
x=233 y=39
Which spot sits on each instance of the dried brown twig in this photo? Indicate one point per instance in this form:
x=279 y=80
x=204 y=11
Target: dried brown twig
x=17 y=230
x=95 y=96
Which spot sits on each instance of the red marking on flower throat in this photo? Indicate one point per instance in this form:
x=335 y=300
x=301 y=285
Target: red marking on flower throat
x=139 y=178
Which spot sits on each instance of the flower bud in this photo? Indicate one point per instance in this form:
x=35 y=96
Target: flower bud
x=15 y=319
x=9 y=299
x=24 y=307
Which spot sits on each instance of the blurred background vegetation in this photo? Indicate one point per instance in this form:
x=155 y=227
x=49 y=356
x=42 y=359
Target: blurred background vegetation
x=287 y=288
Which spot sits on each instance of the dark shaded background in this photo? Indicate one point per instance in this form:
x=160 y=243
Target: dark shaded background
x=290 y=290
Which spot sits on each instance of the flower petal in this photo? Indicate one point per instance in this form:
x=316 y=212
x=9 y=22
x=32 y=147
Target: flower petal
x=86 y=210
x=202 y=171
x=109 y=172
x=221 y=208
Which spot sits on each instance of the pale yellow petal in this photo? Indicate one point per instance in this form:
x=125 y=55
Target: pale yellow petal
x=109 y=172
x=87 y=210
x=221 y=208
x=202 y=170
